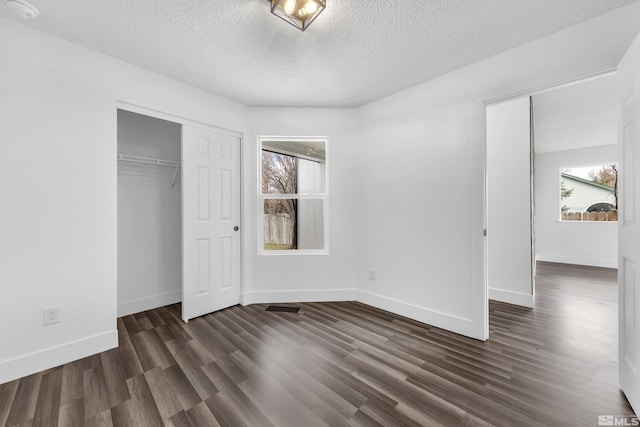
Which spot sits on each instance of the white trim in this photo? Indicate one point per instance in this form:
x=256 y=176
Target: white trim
x=293 y=138
x=312 y=295
x=459 y=325
x=551 y=86
x=422 y=314
x=592 y=262
x=138 y=305
x=294 y=252
x=478 y=247
x=243 y=235
x=31 y=363
x=566 y=221
x=510 y=297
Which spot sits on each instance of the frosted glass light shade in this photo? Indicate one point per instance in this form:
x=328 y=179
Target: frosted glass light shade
x=299 y=13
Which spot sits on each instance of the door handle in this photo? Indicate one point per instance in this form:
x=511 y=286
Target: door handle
x=236 y=228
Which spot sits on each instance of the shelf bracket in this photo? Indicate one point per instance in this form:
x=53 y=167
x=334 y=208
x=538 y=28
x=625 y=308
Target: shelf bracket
x=175 y=173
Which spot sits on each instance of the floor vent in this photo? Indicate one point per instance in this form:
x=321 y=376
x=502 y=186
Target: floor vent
x=283 y=309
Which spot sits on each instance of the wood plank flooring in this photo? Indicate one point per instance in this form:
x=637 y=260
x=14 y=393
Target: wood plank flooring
x=345 y=364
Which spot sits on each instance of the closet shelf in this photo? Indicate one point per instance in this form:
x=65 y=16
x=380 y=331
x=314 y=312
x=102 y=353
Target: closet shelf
x=147 y=160
x=150 y=161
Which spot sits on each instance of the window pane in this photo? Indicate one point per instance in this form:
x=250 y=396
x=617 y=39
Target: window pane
x=293 y=224
x=278 y=173
x=292 y=167
x=589 y=193
x=310 y=177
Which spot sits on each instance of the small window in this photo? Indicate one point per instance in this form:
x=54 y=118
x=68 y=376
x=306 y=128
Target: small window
x=589 y=193
x=293 y=195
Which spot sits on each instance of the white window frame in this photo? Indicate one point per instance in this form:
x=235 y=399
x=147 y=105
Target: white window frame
x=324 y=196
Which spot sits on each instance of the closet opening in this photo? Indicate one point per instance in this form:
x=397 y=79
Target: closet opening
x=149 y=213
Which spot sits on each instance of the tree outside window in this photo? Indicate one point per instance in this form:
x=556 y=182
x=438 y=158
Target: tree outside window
x=279 y=176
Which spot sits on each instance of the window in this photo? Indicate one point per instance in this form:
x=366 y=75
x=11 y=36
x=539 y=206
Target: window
x=589 y=193
x=293 y=195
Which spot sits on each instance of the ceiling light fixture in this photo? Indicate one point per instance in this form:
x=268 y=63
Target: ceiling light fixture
x=299 y=13
x=22 y=9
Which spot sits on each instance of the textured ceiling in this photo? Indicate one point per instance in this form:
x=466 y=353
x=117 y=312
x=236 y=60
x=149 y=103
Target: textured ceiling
x=355 y=52
x=576 y=116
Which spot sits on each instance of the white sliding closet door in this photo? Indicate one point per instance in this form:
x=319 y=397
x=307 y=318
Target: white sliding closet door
x=210 y=221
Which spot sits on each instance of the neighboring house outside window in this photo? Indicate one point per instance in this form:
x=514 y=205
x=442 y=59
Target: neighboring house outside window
x=585 y=200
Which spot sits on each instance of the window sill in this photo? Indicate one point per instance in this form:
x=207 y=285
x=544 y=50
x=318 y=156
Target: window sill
x=585 y=222
x=295 y=252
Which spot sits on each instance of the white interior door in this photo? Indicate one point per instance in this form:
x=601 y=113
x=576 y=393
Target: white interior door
x=210 y=221
x=629 y=226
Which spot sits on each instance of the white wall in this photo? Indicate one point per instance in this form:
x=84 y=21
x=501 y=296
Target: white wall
x=415 y=213
x=509 y=251
x=58 y=190
x=149 y=215
x=578 y=115
x=420 y=172
x=281 y=278
x=571 y=242
x=58 y=218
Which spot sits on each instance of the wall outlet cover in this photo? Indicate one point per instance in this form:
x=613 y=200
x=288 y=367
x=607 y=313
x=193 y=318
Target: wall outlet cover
x=51 y=315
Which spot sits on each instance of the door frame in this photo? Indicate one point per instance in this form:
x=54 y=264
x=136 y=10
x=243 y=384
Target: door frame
x=134 y=108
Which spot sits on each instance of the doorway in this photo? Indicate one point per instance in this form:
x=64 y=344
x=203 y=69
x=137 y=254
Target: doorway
x=568 y=262
x=179 y=204
x=533 y=142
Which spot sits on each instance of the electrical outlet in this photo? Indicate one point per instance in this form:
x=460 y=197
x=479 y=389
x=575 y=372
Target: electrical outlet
x=52 y=315
x=372 y=274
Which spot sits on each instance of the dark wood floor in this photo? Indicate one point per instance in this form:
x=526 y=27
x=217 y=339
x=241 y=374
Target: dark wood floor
x=344 y=364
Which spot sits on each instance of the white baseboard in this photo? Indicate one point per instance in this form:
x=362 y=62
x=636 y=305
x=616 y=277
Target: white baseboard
x=511 y=297
x=592 y=262
x=328 y=295
x=126 y=308
x=442 y=320
x=27 y=364
x=450 y=322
